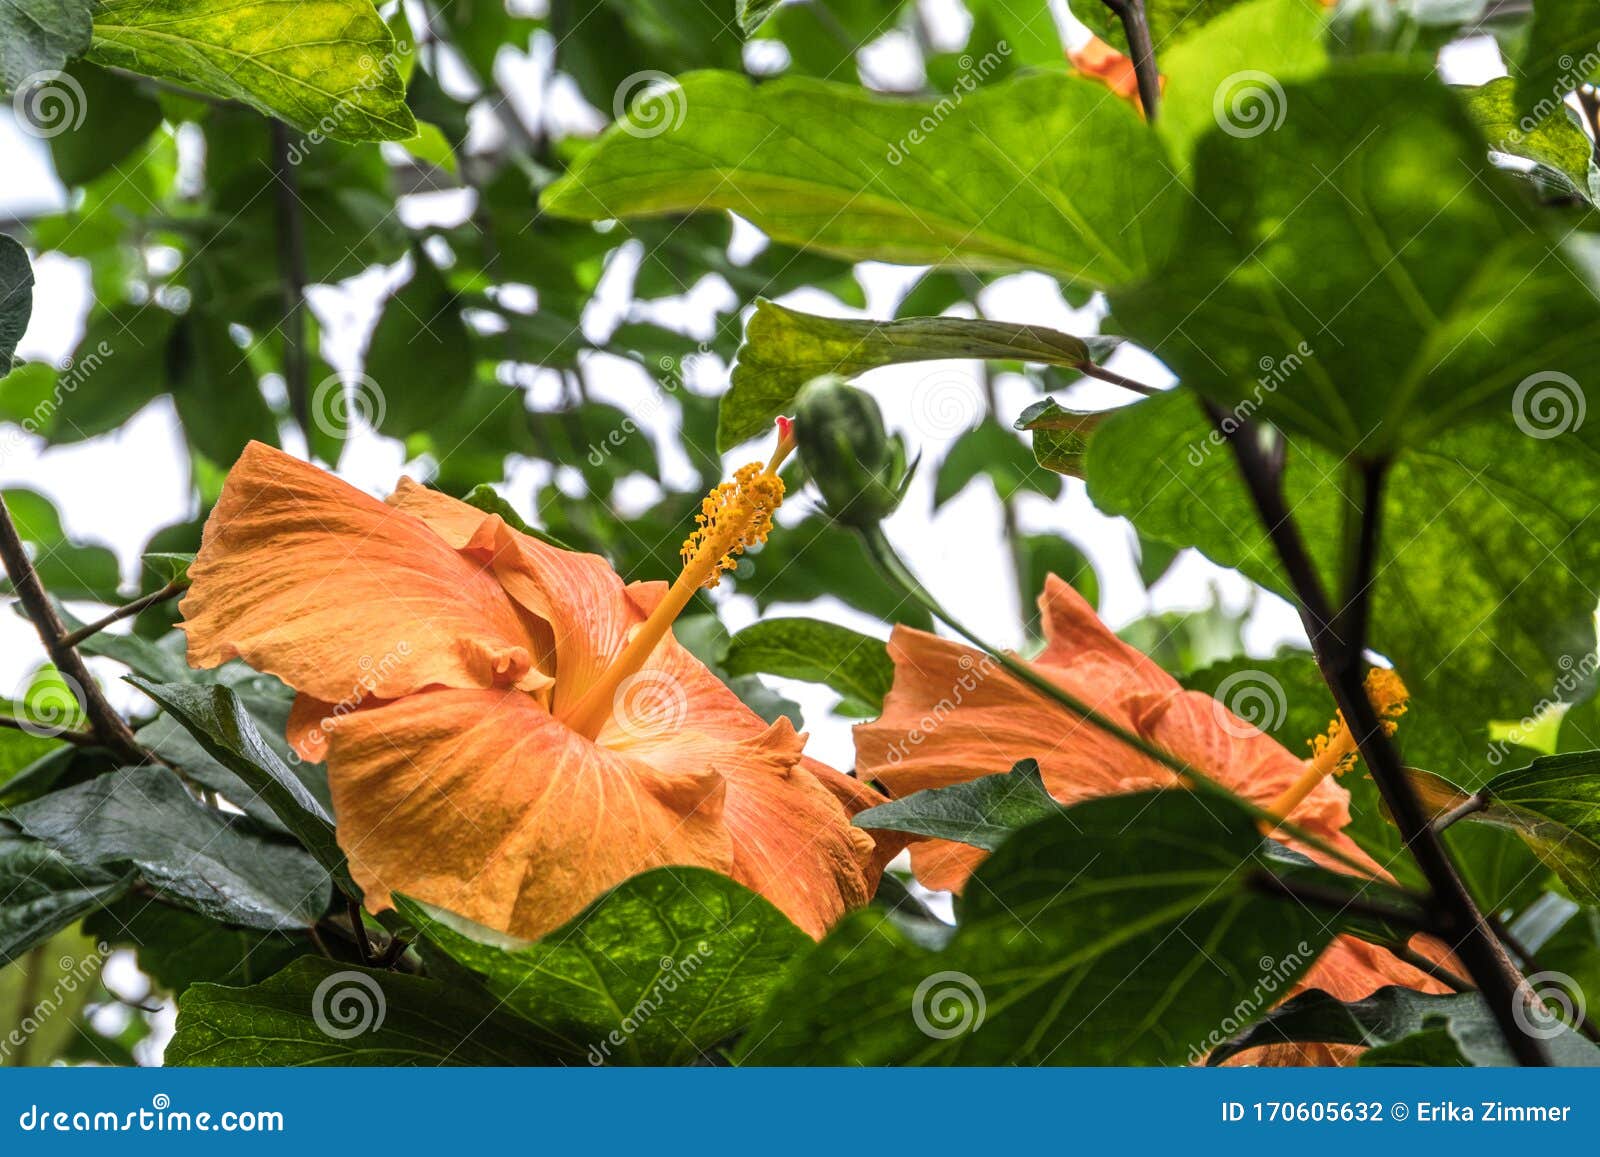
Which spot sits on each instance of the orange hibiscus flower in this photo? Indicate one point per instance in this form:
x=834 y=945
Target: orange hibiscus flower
x=953 y=715
x=510 y=729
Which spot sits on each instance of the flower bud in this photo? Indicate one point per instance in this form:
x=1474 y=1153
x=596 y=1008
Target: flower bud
x=859 y=468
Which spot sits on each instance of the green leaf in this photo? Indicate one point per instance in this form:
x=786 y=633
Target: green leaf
x=1171 y=21
x=1392 y=1015
x=983 y=812
x=178 y=948
x=752 y=14
x=660 y=970
x=68 y=569
x=855 y=665
x=222 y=727
x=1476 y=636
x=116 y=118
x=1060 y=436
x=420 y=356
x=1562 y=53
x=783 y=349
x=1398 y=295
x=331 y=70
x=1138 y=902
x=40 y=36
x=192 y=854
x=321 y=1012
x=42 y=892
x=1047 y=171
x=1561 y=150
x=16 y=299
x=989 y=450
x=215 y=391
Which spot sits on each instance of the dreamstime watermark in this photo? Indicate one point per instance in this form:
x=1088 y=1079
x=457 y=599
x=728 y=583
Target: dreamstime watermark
x=1576 y=674
x=673 y=377
x=376 y=72
x=650 y=705
x=945 y=403
x=1248 y=702
x=160 y=1117
x=1552 y=1003
x=1275 y=976
x=74 y=973
x=49 y=103
x=339 y=406
x=973 y=74
x=671 y=974
x=1575 y=72
x=973 y=674
x=50 y=708
x=374 y=674
x=1249 y=103
x=1548 y=404
x=1274 y=373
x=948 y=1004
x=649 y=103
x=348 y=1004
x=71 y=374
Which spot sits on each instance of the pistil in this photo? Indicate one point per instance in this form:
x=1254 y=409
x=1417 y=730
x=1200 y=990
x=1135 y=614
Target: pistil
x=734 y=516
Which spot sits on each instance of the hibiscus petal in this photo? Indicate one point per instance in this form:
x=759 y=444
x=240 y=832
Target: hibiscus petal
x=342 y=597
x=481 y=802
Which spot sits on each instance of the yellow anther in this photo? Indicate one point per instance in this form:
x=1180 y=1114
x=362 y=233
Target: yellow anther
x=1334 y=752
x=733 y=517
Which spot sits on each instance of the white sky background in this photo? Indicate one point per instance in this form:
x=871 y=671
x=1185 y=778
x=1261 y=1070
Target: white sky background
x=120 y=488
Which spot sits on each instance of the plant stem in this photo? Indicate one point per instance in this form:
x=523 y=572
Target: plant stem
x=126 y=611
x=108 y=727
x=895 y=570
x=1430 y=968
x=1137 y=27
x=1473 y=803
x=292 y=270
x=81 y=738
x=1092 y=370
x=1341 y=659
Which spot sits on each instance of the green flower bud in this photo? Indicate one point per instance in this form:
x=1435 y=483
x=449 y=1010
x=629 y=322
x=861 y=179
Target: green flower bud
x=859 y=468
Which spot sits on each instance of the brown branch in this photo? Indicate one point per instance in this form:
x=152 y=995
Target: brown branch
x=126 y=611
x=109 y=728
x=292 y=263
x=81 y=738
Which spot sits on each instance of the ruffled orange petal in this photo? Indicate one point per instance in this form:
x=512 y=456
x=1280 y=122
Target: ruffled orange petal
x=483 y=803
x=342 y=597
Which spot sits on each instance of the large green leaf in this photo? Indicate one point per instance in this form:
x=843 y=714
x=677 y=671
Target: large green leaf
x=783 y=349
x=660 y=970
x=177 y=948
x=220 y=724
x=420 y=357
x=1484 y=594
x=983 y=812
x=1121 y=931
x=1562 y=53
x=1392 y=1015
x=321 y=1012
x=1392 y=296
x=192 y=854
x=1038 y=173
x=1560 y=150
x=40 y=36
x=855 y=665
x=42 y=892
x=116 y=118
x=16 y=299
x=329 y=68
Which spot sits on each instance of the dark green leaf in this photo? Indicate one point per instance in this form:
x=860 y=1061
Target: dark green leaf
x=40 y=36
x=989 y=450
x=191 y=854
x=68 y=569
x=1563 y=52
x=660 y=970
x=855 y=665
x=116 y=118
x=42 y=892
x=178 y=948
x=321 y=1012
x=1060 y=436
x=16 y=299
x=420 y=356
x=983 y=812
x=1138 y=902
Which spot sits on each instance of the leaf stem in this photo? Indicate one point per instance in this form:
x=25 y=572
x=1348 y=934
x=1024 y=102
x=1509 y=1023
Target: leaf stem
x=126 y=611
x=1137 y=27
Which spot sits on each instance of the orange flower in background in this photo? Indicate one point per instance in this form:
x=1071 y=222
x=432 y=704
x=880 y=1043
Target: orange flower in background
x=953 y=715
x=510 y=729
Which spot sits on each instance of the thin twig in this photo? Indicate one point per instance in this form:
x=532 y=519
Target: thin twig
x=1431 y=968
x=1459 y=919
x=1531 y=962
x=108 y=727
x=126 y=611
x=1137 y=27
x=1472 y=804
x=359 y=927
x=1315 y=895
x=81 y=738
x=1092 y=370
x=292 y=272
